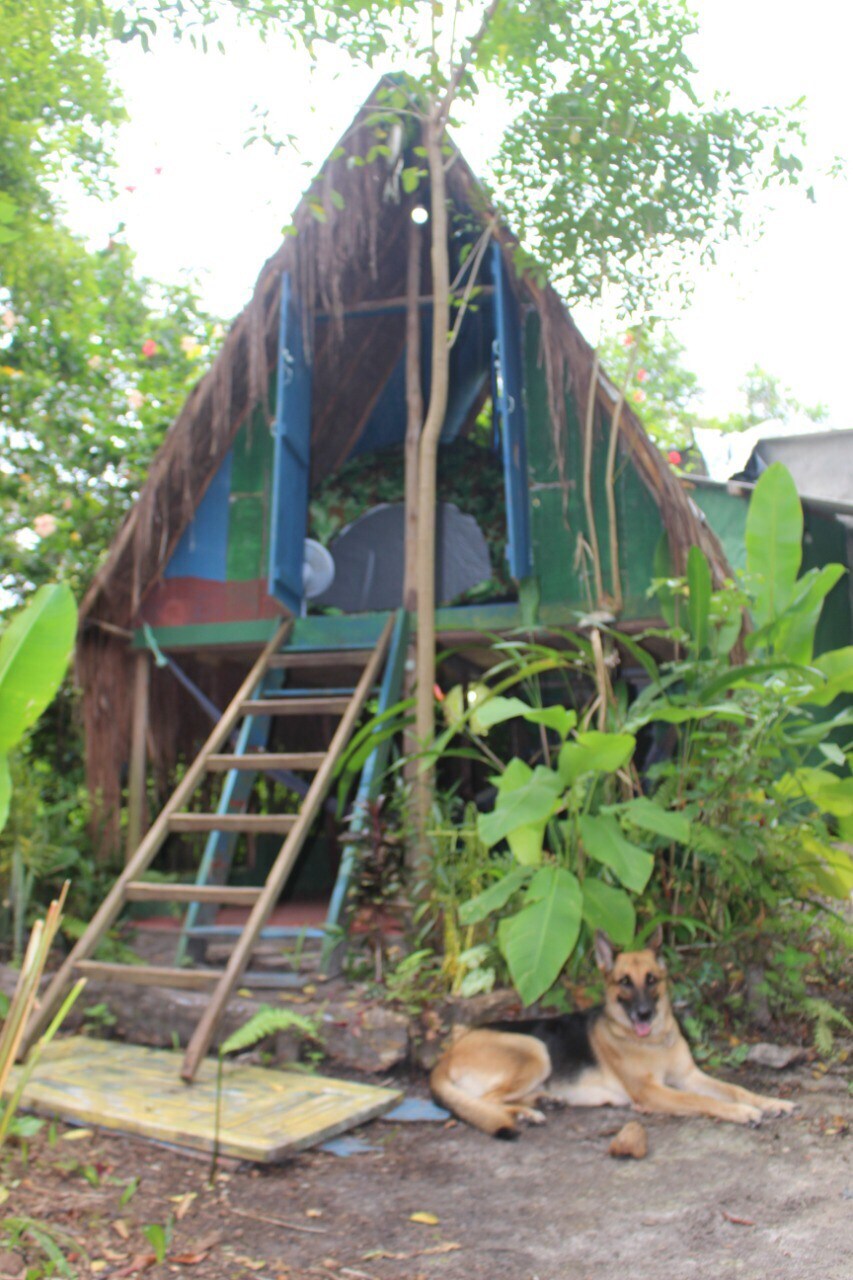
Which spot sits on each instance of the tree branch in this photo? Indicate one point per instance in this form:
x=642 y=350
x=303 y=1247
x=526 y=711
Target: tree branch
x=457 y=72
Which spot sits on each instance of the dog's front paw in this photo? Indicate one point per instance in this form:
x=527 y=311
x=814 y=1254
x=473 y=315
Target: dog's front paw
x=743 y=1113
x=532 y=1116
x=777 y=1106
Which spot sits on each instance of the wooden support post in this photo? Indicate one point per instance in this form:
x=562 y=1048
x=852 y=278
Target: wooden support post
x=137 y=808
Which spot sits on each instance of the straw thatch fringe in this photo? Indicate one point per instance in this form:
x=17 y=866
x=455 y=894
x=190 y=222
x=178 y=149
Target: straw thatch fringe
x=104 y=669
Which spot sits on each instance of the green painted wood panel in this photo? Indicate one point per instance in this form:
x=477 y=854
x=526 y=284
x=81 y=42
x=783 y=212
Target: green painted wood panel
x=559 y=520
x=251 y=469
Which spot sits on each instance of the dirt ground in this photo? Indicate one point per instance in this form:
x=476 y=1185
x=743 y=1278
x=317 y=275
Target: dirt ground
x=710 y=1201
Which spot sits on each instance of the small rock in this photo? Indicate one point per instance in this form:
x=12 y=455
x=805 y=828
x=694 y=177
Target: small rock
x=776 y=1056
x=631 y=1140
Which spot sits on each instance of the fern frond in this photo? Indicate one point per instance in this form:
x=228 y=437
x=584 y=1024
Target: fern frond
x=825 y=1016
x=266 y=1022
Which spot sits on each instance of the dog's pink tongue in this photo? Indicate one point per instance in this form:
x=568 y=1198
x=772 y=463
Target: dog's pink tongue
x=642 y=1028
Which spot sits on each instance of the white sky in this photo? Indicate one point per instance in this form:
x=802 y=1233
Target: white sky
x=216 y=209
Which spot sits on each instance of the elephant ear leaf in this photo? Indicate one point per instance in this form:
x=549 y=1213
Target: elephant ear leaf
x=538 y=940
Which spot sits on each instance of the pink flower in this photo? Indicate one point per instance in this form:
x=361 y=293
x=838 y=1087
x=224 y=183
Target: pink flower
x=9 y=319
x=642 y=375
x=149 y=348
x=135 y=399
x=674 y=457
x=638 y=396
x=45 y=525
x=628 y=340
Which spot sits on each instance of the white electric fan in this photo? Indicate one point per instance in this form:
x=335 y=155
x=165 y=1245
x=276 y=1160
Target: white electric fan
x=318 y=571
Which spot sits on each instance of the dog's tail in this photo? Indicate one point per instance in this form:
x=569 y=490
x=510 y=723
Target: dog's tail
x=491 y=1117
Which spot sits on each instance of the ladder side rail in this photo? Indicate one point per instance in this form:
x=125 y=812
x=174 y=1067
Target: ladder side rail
x=371 y=776
x=109 y=909
x=280 y=870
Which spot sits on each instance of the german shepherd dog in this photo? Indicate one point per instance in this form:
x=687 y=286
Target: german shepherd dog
x=628 y=1052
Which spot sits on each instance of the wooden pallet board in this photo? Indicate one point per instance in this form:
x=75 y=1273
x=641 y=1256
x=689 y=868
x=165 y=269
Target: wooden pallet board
x=266 y=1114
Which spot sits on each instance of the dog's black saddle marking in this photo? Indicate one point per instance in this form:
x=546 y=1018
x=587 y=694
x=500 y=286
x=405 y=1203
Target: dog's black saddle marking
x=565 y=1036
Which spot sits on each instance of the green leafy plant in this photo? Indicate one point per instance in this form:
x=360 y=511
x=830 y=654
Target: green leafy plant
x=51 y=1243
x=159 y=1236
x=34 y=653
x=572 y=818
x=738 y=806
x=759 y=764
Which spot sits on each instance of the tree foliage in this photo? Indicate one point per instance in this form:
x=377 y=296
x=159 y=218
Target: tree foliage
x=94 y=362
x=660 y=386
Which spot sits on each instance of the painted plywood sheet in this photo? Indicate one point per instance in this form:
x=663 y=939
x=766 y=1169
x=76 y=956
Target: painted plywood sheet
x=264 y=1114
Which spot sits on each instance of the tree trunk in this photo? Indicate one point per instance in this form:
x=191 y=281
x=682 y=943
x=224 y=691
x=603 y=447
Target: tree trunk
x=425 y=668
x=414 y=414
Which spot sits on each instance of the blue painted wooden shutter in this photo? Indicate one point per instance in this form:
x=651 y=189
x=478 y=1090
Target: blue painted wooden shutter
x=509 y=403
x=291 y=457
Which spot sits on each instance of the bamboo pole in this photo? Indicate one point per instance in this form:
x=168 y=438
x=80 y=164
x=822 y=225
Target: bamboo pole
x=589 y=426
x=610 y=485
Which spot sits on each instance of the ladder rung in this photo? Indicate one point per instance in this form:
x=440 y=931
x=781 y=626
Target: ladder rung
x=150 y=975
x=224 y=895
x=295 y=706
x=276 y=823
x=320 y=658
x=261 y=761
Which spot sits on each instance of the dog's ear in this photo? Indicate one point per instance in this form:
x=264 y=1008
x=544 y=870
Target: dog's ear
x=655 y=942
x=604 y=951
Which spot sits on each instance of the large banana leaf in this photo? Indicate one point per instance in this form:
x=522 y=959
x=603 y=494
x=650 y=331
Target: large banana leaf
x=699 y=598
x=774 y=542
x=34 y=653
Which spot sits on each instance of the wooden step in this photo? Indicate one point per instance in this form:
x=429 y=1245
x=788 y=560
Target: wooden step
x=306 y=659
x=295 y=706
x=149 y=975
x=223 y=895
x=276 y=823
x=265 y=761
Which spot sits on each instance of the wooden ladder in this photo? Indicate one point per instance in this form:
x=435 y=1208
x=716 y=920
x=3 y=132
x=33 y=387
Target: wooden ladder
x=129 y=888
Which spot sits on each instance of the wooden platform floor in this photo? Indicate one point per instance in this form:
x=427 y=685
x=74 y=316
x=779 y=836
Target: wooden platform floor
x=265 y=1115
